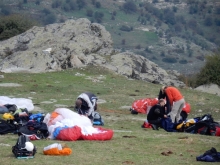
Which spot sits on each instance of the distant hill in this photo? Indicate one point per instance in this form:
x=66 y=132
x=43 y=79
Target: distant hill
x=172 y=33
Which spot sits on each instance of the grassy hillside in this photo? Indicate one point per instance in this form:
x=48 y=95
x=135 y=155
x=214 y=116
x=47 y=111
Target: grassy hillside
x=131 y=144
x=174 y=34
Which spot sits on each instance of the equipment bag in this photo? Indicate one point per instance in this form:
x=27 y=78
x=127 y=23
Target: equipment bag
x=97 y=120
x=24 y=148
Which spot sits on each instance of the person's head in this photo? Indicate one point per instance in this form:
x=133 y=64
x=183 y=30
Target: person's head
x=161 y=102
x=163 y=89
x=78 y=104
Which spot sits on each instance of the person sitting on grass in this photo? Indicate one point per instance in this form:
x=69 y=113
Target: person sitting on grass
x=156 y=114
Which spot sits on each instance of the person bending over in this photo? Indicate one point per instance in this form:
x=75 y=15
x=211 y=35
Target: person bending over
x=177 y=102
x=86 y=104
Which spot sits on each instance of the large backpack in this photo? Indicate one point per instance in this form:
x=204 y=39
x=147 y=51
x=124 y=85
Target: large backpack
x=21 y=150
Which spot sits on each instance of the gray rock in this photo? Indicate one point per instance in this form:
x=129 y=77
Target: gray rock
x=209 y=88
x=73 y=44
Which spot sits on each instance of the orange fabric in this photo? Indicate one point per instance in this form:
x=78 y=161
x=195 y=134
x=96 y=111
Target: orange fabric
x=55 y=151
x=53 y=116
x=173 y=94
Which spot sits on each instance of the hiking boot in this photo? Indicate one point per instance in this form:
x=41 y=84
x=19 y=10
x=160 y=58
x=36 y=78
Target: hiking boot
x=154 y=127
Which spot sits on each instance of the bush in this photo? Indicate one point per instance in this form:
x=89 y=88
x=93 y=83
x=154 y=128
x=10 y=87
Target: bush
x=126 y=28
x=189 y=80
x=183 y=61
x=129 y=7
x=50 y=18
x=14 y=24
x=169 y=60
x=97 y=4
x=210 y=73
x=89 y=12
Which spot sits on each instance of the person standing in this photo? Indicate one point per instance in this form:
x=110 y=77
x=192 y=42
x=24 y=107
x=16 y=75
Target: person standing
x=162 y=95
x=156 y=114
x=86 y=104
x=176 y=100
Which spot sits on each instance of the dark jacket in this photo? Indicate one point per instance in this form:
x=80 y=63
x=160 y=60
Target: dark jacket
x=155 y=112
x=164 y=96
x=89 y=103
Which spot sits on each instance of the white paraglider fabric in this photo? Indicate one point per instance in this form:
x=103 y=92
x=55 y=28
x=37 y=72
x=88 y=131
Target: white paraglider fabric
x=19 y=102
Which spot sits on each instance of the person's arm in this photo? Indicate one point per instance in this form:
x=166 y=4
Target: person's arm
x=170 y=97
x=158 y=112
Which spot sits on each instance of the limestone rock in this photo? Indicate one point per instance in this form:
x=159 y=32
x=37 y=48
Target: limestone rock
x=73 y=44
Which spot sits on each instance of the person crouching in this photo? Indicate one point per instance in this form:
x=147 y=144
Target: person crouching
x=156 y=114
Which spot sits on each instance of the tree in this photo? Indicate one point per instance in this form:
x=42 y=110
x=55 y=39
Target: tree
x=50 y=18
x=98 y=16
x=93 y=2
x=46 y=11
x=56 y=3
x=5 y=10
x=89 y=12
x=97 y=4
x=130 y=7
x=217 y=10
x=37 y=2
x=210 y=73
x=169 y=16
x=126 y=28
x=73 y=5
x=65 y=7
x=15 y=24
x=208 y=21
x=81 y=4
x=217 y=21
x=123 y=41
x=193 y=9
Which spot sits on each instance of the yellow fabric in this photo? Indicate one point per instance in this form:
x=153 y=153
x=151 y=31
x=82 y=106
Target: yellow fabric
x=179 y=126
x=8 y=116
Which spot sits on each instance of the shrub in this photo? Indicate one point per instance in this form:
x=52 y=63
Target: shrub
x=169 y=60
x=89 y=12
x=129 y=7
x=126 y=28
x=14 y=24
x=97 y=4
x=183 y=61
x=189 y=80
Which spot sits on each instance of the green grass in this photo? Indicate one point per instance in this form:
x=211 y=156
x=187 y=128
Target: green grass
x=130 y=144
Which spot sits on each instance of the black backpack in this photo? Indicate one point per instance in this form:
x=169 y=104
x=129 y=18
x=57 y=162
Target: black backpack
x=19 y=149
x=7 y=127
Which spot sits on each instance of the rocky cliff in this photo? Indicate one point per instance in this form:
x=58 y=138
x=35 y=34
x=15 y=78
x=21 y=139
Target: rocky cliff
x=72 y=44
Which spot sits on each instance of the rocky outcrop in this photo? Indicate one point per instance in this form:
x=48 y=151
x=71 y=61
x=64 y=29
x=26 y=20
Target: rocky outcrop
x=72 y=44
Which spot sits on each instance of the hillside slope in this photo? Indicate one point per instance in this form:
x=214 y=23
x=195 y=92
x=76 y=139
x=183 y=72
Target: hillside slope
x=174 y=34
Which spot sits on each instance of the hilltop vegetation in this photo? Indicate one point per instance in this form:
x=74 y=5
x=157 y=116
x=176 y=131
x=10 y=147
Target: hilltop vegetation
x=174 y=34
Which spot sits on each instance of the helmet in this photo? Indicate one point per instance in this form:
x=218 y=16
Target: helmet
x=29 y=146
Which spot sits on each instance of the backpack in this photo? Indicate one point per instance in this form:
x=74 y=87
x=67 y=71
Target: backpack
x=24 y=148
x=11 y=107
x=7 y=127
x=97 y=120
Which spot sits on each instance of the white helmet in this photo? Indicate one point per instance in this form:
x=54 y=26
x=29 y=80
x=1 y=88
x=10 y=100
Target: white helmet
x=29 y=146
